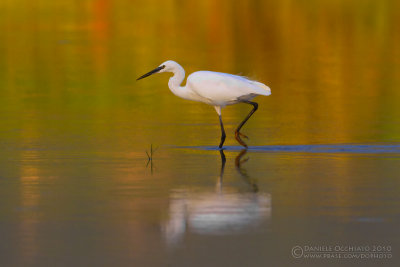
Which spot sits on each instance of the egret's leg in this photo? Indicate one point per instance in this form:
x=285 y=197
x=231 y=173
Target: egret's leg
x=237 y=133
x=243 y=135
x=223 y=135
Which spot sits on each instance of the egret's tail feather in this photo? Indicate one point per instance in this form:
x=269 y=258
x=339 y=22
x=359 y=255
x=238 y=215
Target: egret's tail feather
x=265 y=89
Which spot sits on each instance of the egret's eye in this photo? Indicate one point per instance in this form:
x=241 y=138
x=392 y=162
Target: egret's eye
x=163 y=66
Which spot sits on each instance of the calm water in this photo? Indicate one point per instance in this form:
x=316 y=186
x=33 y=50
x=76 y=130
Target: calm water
x=324 y=160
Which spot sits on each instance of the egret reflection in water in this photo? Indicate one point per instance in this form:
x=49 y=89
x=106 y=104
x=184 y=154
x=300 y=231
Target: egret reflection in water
x=224 y=211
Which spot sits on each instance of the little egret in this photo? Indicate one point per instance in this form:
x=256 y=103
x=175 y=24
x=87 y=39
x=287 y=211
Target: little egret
x=214 y=88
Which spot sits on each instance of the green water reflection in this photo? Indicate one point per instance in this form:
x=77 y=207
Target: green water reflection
x=75 y=126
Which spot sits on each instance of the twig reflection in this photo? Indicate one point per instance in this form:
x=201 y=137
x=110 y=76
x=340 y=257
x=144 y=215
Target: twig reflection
x=150 y=158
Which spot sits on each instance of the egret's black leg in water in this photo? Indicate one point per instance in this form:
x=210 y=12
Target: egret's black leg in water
x=237 y=133
x=223 y=135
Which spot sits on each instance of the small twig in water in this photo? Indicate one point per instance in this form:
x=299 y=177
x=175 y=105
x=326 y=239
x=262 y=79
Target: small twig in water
x=150 y=157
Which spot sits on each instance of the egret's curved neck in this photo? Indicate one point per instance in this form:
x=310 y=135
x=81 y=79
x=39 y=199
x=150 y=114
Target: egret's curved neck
x=175 y=81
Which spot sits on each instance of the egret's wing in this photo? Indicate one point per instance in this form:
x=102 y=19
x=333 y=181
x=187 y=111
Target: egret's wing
x=220 y=87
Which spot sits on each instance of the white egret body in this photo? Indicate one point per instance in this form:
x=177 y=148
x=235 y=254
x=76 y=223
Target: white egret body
x=213 y=88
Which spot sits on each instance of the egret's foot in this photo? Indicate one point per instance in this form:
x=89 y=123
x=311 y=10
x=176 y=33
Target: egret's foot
x=243 y=135
x=237 y=136
x=221 y=144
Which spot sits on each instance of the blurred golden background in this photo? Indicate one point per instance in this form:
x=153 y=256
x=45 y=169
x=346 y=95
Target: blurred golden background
x=333 y=67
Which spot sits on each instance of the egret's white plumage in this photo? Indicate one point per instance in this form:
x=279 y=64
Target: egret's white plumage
x=221 y=89
x=213 y=88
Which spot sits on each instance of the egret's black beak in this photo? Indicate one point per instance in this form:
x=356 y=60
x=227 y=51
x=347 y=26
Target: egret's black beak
x=151 y=72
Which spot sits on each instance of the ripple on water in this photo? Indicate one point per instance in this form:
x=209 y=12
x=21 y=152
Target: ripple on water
x=331 y=148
